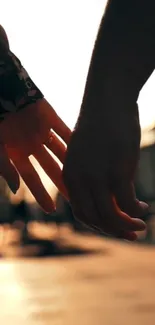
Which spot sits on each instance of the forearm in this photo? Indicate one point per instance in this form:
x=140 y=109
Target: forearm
x=124 y=54
x=17 y=90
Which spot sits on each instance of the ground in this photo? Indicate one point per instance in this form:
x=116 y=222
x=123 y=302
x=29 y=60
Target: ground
x=114 y=285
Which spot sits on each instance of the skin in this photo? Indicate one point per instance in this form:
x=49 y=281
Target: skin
x=31 y=131
x=103 y=153
x=22 y=137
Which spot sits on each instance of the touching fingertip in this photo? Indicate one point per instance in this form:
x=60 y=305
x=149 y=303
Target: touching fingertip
x=131 y=237
x=141 y=225
x=144 y=205
x=49 y=209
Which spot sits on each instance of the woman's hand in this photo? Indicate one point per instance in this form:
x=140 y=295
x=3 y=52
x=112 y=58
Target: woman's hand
x=29 y=132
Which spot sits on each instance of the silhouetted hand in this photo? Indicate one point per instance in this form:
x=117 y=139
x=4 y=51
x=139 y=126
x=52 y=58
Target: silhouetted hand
x=27 y=133
x=99 y=171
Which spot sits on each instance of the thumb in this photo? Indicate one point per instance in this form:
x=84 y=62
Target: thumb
x=126 y=199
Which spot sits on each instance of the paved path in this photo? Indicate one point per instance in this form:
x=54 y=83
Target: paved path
x=116 y=286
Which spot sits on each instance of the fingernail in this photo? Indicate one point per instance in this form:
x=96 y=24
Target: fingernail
x=144 y=205
x=141 y=225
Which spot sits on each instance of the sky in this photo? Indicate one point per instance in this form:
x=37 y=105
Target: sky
x=54 y=41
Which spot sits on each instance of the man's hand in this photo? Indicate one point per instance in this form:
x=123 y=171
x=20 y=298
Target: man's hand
x=27 y=133
x=104 y=149
x=99 y=171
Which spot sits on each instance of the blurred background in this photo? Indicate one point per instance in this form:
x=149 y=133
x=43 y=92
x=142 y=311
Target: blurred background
x=53 y=270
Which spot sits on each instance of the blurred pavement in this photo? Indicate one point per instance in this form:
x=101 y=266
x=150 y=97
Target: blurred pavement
x=114 y=286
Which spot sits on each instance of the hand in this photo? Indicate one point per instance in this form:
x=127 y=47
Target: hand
x=27 y=133
x=99 y=171
x=8 y=171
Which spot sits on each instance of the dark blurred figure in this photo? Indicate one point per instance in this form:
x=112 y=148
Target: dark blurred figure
x=5 y=213
x=20 y=219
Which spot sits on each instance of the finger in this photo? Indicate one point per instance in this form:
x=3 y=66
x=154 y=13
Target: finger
x=115 y=218
x=33 y=182
x=8 y=171
x=130 y=236
x=81 y=201
x=57 y=124
x=126 y=199
x=99 y=226
x=51 y=168
x=85 y=217
x=125 y=235
x=85 y=209
x=56 y=146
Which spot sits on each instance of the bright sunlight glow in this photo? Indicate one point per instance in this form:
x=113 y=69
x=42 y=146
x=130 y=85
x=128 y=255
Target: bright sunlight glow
x=54 y=40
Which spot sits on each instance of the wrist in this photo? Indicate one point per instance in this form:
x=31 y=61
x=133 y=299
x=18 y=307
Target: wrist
x=17 y=90
x=111 y=98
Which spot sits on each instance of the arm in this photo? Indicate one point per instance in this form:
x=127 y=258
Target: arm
x=17 y=90
x=104 y=150
x=124 y=53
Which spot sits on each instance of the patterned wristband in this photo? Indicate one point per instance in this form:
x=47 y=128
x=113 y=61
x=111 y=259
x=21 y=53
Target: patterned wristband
x=17 y=90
